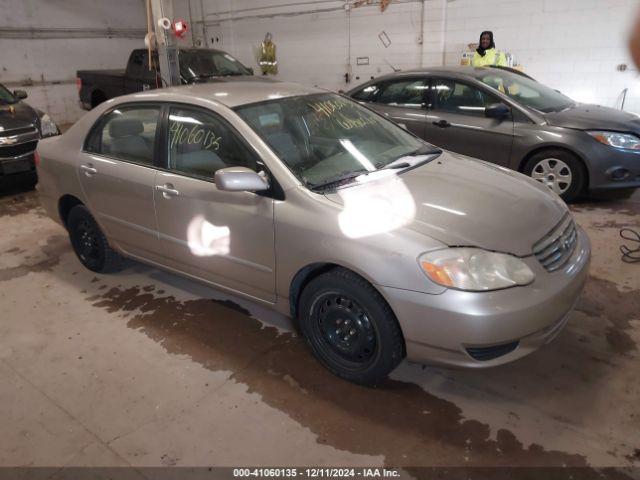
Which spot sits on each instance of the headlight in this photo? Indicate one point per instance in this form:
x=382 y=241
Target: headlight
x=474 y=269
x=48 y=127
x=626 y=141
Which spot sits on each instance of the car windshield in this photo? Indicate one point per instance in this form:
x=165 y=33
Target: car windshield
x=6 y=96
x=527 y=92
x=196 y=64
x=326 y=139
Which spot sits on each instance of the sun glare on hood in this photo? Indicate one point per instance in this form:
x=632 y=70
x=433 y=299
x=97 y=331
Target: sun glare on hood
x=380 y=207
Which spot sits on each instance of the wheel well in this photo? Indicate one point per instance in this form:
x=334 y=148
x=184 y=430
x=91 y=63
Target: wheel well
x=553 y=147
x=302 y=279
x=65 y=204
x=308 y=273
x=97 y=97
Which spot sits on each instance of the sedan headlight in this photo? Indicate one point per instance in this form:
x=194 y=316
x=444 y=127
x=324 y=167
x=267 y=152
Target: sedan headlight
x=625 y=141
x=474 y=269
x=48 y=128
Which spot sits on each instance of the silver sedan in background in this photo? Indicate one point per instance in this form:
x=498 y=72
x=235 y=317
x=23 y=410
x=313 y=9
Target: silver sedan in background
x=511 y=120
x=380 y=245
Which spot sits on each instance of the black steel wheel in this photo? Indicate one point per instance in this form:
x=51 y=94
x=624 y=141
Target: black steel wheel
x=349 y=327
x=344 y=326
x=89 y=243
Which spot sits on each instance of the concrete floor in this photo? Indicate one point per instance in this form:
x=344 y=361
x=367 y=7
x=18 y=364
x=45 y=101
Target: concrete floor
x=145 y=368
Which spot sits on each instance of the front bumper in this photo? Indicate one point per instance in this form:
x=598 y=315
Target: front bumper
x=441 y=328
x=611 y=168
x=17 y=171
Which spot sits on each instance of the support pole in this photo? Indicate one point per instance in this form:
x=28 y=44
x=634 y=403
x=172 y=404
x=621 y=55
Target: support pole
x=167 y=50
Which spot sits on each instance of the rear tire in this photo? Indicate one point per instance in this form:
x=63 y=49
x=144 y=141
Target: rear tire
x=350 y=328
x=89 y=243
x=560 y=170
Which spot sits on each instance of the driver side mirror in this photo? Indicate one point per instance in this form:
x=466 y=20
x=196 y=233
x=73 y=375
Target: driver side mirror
x=497 y=110
x=20 y=94
x=240 y=179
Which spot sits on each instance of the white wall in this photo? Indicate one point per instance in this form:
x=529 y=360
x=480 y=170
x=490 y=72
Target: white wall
x=50 y=64
x=572 y=45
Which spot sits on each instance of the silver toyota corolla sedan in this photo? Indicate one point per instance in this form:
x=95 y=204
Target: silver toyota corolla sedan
x=379 y=244
x=511 y=120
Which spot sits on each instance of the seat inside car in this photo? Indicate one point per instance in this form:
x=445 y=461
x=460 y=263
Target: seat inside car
x=194 y=158
x=271 y=124
x=126 y=139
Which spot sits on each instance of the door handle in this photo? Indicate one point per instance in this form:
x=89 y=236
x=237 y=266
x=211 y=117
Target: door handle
x=442 y=124
x=167 y=190
x=89 y=169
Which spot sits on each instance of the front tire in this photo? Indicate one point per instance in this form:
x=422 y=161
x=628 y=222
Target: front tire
x=89 y=243
x=559 y=170
x=350 y=328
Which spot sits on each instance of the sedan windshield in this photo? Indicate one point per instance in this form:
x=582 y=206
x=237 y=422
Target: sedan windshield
x=326 y=139
x=196 y=64
x=527 y=91
x=6 y=96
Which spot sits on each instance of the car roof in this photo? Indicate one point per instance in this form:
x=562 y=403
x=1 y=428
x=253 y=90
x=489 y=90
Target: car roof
x=457 y=71
x=233 y=93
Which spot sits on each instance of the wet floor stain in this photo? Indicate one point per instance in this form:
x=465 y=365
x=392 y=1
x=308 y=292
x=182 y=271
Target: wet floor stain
x=398 y=420
x=20 y=204
x=628 y=208
x=602 y=299
x=52 y=250
x=631 y=223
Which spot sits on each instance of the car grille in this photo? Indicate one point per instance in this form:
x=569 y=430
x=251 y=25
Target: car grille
x=17 y=150
x=556 y=248
x=489 y=353
x=20 y=131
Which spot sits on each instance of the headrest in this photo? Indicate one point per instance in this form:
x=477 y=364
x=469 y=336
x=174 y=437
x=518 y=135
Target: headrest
x=125 y=127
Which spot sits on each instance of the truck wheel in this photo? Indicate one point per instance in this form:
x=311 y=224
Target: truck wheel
x=350 y=328
x=559 y=170
x=89 y=243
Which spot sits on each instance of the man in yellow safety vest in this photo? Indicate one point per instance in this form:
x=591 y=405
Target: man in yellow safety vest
x=268 y=62
x=486 y=53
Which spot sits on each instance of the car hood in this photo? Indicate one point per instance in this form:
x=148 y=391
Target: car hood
x=20 y=116
x=458 y=201
x=594 y=117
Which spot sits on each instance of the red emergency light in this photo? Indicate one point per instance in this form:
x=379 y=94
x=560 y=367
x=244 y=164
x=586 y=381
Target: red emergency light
x=179 y=28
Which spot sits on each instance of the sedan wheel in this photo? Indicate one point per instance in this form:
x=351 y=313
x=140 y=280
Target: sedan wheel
x=89 y=243
x=554 y=173
x=560 y=170
x=349 y=327
x=345 y=327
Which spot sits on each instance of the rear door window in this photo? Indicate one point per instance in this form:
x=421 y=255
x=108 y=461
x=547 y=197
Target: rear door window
x=127 y=133
x=407 y=93
x=367 y=94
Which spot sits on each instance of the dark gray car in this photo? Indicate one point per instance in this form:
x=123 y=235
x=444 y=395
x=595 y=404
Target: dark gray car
x=516 y=122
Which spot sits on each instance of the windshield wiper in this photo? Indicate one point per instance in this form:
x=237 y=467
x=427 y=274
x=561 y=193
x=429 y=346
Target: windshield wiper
x=394 y=165
x=202 y=76
x=339 y=178
x=401 y=161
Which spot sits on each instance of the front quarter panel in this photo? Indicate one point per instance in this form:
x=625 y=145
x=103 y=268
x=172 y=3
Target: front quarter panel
x=308 y=231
